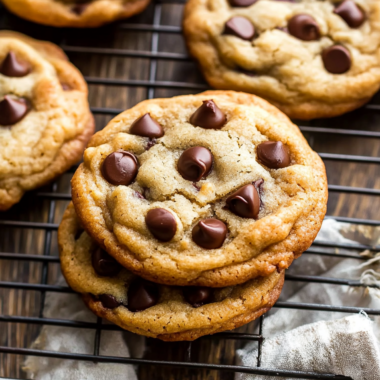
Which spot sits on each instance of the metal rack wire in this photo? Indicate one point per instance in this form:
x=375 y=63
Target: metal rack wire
x=52 y=196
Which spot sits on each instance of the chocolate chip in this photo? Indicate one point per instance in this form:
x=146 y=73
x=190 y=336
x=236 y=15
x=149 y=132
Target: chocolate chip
x=79 y=8
x=12 y=110
x=108 y=301
x=142 y=294
x=240 y=27
x=241 y=3
x=12 y=67
x=209 y=233
x=304 y=27
x=273 y=154
x=104 y=264
x=145 y=126
x=208 y=116
x=336 y=59
x=351 y=13
x=120 y=168
x=197 y=296
x=245 y=202
x=195 y=163
x=161 y=223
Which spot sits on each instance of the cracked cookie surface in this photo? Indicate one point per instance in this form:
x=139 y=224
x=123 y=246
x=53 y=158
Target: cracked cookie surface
x=238 y=220
x=75 y=13
x=310 y=58
x=45 y=121
x=167 y=313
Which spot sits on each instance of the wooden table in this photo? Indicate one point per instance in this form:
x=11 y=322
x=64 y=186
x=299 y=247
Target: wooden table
x=142 y=77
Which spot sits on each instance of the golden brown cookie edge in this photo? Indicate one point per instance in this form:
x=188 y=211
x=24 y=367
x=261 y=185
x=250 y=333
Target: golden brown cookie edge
x=190 y=335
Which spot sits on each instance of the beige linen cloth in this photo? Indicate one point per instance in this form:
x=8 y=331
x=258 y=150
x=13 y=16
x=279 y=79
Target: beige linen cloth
x=318 y=341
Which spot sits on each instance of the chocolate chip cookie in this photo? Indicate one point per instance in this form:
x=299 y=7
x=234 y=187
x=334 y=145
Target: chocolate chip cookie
x=45 y=121
x=159 y=311
x=75 y=13
x=310 y=58
x=211 y=189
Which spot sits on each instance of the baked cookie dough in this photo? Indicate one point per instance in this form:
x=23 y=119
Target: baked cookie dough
x=45 y=121
x=210 y=189
x=310 y=58
x=75 y=13
x=158 y=311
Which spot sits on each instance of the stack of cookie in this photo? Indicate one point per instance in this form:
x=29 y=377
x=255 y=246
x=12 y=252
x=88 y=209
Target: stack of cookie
x=187 y=211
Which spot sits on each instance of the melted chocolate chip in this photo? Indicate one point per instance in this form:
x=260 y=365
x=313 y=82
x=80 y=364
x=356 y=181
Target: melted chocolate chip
x=209 y=233
x=195 y=163
x=12 y=110
x=142 y=294
x=12 y=67
x=208 y=116
x=273 y=154
x=108 y=301
x=241 y=3
x=240 y=27
x=151 y=143
x=351 y=13
x=79 y=8
x=120 y=168
x=104 y=264
x=197 y=296
x=161 y=223
x=336 y=59
x=145 y=126
x=304 y=27
x=245 y=202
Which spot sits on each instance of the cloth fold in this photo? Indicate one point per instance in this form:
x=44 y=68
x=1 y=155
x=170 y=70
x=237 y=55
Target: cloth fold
x=346 y=346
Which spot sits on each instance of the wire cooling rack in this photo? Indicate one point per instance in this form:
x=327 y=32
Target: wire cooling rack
x=145 y=57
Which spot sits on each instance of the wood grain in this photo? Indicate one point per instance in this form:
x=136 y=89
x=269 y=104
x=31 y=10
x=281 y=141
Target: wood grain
x=34 y=208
